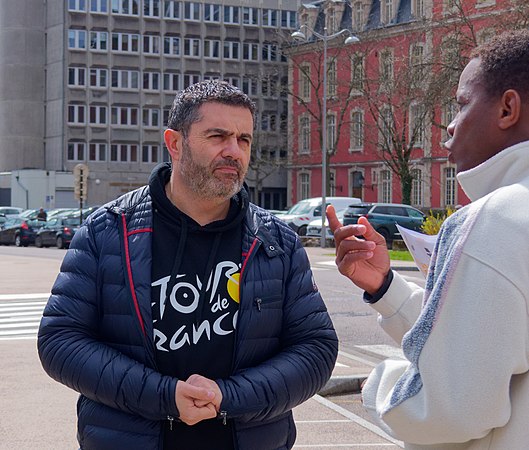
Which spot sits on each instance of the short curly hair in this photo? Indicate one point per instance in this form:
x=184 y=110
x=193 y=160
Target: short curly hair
x=186 y=105
x=504 y=63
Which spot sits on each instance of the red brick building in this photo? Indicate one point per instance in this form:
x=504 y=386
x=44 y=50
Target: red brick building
x=389 y=96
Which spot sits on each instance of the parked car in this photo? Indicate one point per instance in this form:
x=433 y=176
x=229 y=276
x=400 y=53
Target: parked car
x=384 y=216
x=299 y=216
x=57 y=231
x=19 y=231
x=314 y=226
x=10 y=210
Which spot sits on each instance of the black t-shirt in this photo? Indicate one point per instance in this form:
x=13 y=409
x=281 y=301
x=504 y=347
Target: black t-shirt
x=195 y=303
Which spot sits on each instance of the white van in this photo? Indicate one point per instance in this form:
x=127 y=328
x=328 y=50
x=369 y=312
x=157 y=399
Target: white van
x=299 y=216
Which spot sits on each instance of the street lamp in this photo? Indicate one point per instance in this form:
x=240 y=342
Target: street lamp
x=299 y=35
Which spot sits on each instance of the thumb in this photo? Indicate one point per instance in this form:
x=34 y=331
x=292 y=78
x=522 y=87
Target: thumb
x=334 y=223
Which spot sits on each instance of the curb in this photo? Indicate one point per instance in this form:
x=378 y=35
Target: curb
x=339 y=385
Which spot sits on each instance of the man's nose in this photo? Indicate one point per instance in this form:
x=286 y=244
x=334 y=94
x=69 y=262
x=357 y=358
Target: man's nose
x=232 y=148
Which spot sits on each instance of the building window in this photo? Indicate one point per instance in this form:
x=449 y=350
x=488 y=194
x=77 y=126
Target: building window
x=385 y=186
x=357 y=72
x=125 y=7
x=304 y=135
x=249 y=86
x=304 y=186
x=269 y=17
x=171 y=9
x=450 y=186
x=76 y=151
x=234 y=81
x=387 y=10
x=331 y=20
x=191 y=11
x=151 y=8
x=125 y=42
x=77 y=5
x=124 y=116
x=231 y=50
x=418 y=9
x=250 y=51
x=149 y=153
x=77 y=39
x=76 y=114
x=211 y=13
x=98 y=115
x=269 y=87
x=190 y=79
x=358 y=16
x=417 y=187
x=268 y=122
x=151 y=117
x=171 y=46
x=331 y=133
x=151 y=45
x=305 y=83
x=192 y=47
x=97 y=152
x=449 y=114
x=357 y=130
x=332 y=84
x=231 y=14
x=99 y=41
x=171 y=82
x=151 y=81
x=385 y=128
x=99 y=6
x=417 y=125
x=270 y=52
x=211 y=49
x=125 y=79
x=124 y=153
x=250 y=16
x=98 y=78
x=386 y=67
x=76 y=76
x=288 y=19
x=417 y=63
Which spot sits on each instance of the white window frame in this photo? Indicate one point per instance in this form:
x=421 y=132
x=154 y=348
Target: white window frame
x=77 y=5
x=358 y=16
x=387 y=66
x=303 y=185
x=150 y=154
x=250 y=86
x=288 y=19
x=269 y=87
x=76 y=114
x=231 y=50
x=212 y=13
x=151 y=81
x=151 y=117
x=385 y=190
x=304 y=135
x=332 y=80
x=192 y=47
x=100 y=150
x=417 y=187
x=100 y=39
x=125 y=42
x=270 y=52
x=232 y=15
x=418 y=9
x=99 y=6
x=192 y=11
x=79 y=76
x=234 y=81
x=79 y=39
x=126 y=79
x=190 y=78
x=269 y=17
x=101 y=77
x=171 y=82
x=212 y=48
x=357 y=72
x=449 y=186
x=357 y=130
x=449 y=114
x=151 y=8
x=250 y=16
x=171 y=46
x=250 y=51
x=331 y=131
x=78 y=150
x=305 y=85
x=124 y=153
x=172 y=9
x=101 y=115
x=151 y=44
x=124 y=116
x=417 y=110
x=125 y=7
x=387 y=11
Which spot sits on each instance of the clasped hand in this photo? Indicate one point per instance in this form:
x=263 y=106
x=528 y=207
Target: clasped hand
x=198 y=398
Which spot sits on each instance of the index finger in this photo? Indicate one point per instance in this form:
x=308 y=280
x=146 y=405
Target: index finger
x=334 y=223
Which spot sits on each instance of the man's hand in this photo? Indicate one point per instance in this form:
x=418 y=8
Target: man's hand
x=206 y=383
x=364 y=261
x=194 y=403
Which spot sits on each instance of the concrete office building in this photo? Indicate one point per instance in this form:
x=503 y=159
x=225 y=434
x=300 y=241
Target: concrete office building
x=92 y=82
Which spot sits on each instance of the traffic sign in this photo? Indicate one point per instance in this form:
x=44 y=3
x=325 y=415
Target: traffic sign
x=80 y=174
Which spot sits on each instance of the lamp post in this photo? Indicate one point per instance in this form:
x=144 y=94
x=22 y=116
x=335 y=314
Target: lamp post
x=325 y=37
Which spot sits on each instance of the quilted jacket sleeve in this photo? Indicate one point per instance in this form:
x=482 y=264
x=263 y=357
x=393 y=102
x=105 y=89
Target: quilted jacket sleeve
x=304 y=363
x=72 y=354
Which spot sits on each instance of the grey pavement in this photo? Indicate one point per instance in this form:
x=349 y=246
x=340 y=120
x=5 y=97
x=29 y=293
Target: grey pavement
x=39 y=413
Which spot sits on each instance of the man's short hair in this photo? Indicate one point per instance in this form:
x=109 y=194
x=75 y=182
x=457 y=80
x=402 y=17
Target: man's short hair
x=504 y=63
x=186 y=105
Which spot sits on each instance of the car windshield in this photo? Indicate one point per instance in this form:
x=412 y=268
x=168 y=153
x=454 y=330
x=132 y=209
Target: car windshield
x=71 y=222
x=358 y=209
x=301 y=208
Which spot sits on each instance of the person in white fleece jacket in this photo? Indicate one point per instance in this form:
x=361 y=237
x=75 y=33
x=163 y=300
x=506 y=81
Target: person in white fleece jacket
x=465 y=381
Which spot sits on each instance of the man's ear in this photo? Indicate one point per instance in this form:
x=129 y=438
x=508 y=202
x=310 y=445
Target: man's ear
x=173 y=141
x=511 y=107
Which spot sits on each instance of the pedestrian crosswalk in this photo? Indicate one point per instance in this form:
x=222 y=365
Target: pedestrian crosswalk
x=20 y=315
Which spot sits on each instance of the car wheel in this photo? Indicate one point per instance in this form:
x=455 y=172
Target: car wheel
x=60 y=242
x=38 y=242
x=302 y=231
x=18 y=241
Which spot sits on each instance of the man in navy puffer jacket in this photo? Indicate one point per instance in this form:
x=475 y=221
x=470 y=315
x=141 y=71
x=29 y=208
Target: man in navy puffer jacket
x=185 y=316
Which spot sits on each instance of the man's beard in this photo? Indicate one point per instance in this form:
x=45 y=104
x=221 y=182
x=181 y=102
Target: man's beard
x=202 y=179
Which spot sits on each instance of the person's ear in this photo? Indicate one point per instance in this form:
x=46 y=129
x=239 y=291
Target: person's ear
x=173 y=141
x=510 y=109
